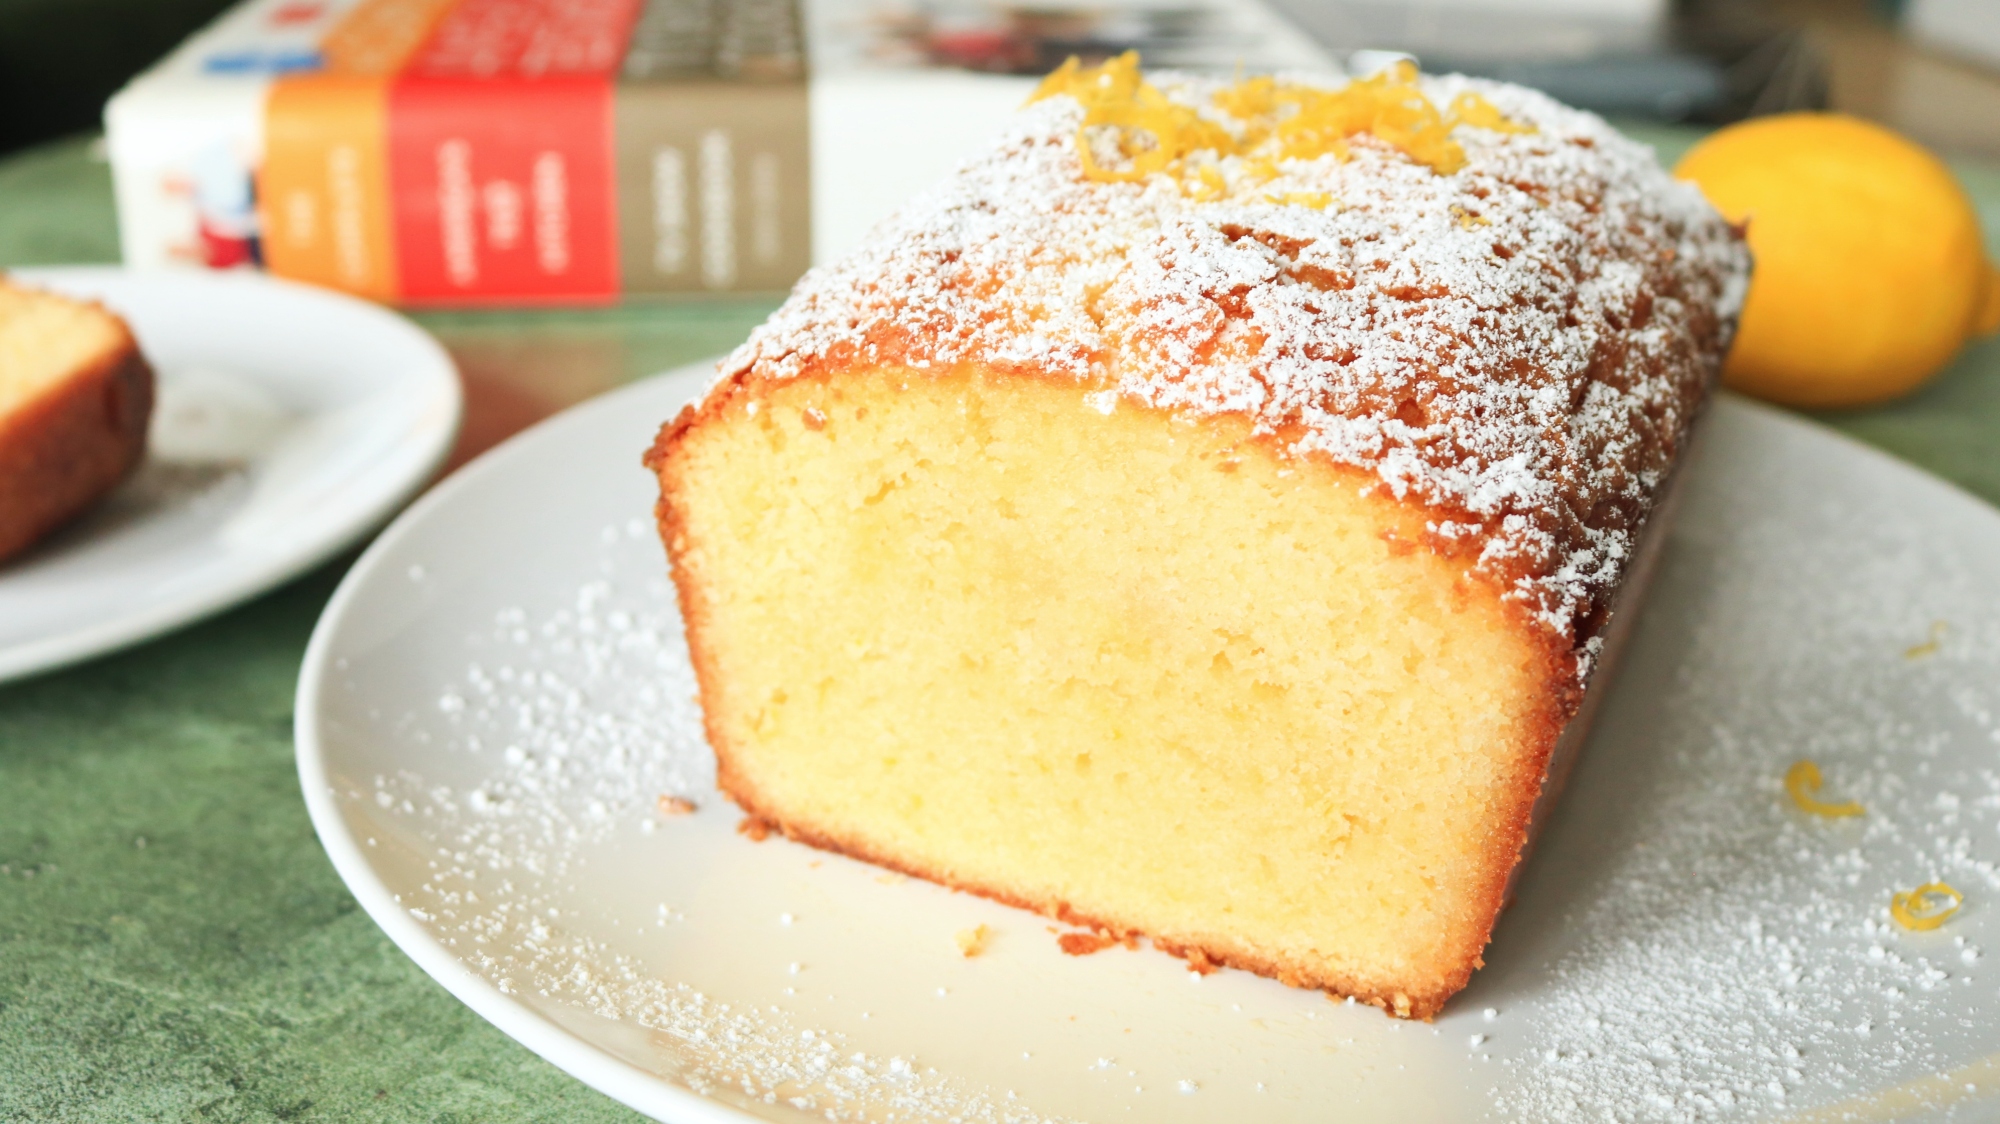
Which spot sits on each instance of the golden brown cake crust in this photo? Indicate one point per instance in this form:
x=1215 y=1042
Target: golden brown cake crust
x=69 y=445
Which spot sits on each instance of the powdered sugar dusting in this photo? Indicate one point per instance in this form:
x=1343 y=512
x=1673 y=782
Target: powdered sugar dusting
x=1519 y=345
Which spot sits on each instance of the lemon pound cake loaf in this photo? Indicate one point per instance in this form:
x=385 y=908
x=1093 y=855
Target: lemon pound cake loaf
x=75 y=397
x=1203 y=515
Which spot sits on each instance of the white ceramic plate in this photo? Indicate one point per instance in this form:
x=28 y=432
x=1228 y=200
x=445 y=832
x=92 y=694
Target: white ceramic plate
x=290 y=421
x=498 y=694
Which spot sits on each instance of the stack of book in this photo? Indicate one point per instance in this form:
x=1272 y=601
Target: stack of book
x=468 y=152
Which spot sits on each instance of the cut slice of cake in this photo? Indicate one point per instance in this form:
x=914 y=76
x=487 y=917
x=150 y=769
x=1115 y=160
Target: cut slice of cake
x=75 y=397
x=1204 y=516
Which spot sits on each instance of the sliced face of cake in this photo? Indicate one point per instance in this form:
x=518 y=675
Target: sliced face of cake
x=75 y=398
x=1208 y=515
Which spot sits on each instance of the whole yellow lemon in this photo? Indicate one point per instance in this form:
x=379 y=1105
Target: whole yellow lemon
x=1870 y=273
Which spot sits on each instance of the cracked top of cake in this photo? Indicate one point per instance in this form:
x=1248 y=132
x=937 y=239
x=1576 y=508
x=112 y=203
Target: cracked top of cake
x=1502 y=309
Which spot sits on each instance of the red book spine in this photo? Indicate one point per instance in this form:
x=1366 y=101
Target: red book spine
x=503 y=189
x=500 y=154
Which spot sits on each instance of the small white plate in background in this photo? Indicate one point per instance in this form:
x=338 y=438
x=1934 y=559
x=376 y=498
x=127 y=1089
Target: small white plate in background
x=289 y=422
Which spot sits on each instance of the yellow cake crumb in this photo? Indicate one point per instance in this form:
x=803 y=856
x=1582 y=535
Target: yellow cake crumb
x=671 y=805
x=1802 y=780
x=1925 y=907
x=971 y=942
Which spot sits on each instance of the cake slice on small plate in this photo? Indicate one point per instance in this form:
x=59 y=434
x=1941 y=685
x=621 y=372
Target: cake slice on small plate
x=75 y=397
x=1208 y=515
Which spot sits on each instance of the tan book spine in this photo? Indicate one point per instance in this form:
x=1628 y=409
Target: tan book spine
x=713 y=161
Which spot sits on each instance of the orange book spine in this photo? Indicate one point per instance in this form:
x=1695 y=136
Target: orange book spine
x=324 y=187
x=323 y=190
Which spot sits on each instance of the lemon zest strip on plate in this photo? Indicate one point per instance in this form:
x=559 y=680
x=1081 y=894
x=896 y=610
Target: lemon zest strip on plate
x=1925 y=907
x=1928 y=647
x=1802 y=780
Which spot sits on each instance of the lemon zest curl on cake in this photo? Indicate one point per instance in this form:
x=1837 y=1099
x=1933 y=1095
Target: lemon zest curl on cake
x=1267 y=121
x=1926 y=907
x=1802 y=780
x=1317 y=200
